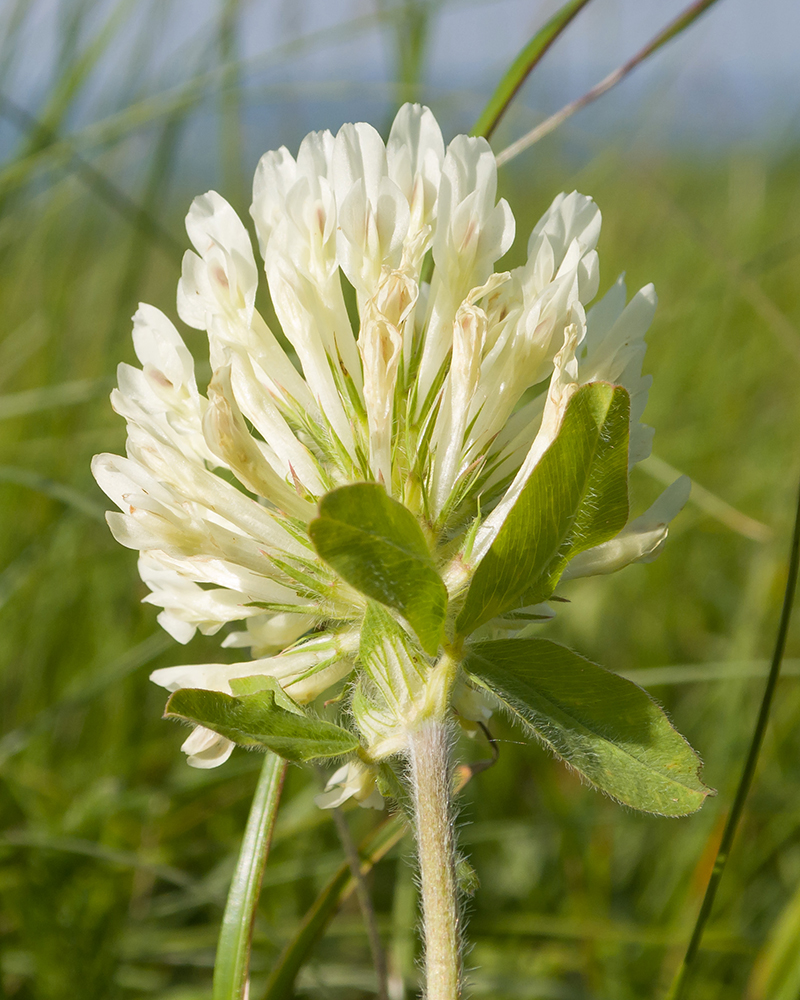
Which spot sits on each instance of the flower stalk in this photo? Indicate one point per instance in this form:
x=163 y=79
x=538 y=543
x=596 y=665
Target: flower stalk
x=430 y=773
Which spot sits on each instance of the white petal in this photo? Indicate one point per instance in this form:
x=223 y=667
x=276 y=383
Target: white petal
x=640 y=541
x=275 y=174
x=229 y=439
x=206 y=748
x=267 y=634
x=358 y=155
x=472 y=232
x=562 y=388
x=414 y=153
x=354 y=779
x=570 y=217
x=158 y=344
x=180 y=630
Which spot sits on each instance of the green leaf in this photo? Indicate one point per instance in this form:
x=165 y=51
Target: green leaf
x=519 y=70
x=258 y=720
x=575 y=498
x=599 y=723
x=261 y=682
x=377 y=546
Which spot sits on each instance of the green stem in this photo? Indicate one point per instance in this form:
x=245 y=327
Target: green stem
x=232 y=964
x=522 y=66
x=429 y=756
x=677 y=989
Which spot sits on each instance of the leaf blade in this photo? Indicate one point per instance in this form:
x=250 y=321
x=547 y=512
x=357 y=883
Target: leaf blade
x=377 y=546
x=603 y=725
x=258 y=720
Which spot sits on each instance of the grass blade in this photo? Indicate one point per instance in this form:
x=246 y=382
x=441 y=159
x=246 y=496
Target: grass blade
x=231 y=968
x=62 y=492
x=230 y=106
x=43 y=841
x=522 y=66
x=704 y=673
x=105 y=189
x=550 y=124
x=281 y=982
x=678 y=988
x=709 y=502
x=22 y=404
x=77 y=68
x=82 y=690
x=74 y=150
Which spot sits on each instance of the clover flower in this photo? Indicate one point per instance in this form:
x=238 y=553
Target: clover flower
x=403 y=361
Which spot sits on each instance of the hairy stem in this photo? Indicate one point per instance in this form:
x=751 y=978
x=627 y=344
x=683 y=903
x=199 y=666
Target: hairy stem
x=429 y=755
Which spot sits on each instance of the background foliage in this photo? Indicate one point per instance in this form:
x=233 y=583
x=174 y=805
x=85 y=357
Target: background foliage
x=114 y=855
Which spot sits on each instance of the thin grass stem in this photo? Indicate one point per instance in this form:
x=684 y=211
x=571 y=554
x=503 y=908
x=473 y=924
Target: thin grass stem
x=280 y=985
x=523 y=65
x=364 y=902
x=550 y=124
x=678 y=988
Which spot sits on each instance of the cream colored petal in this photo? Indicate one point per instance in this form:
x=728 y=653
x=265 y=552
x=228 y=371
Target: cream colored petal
x=563 y=386
x=206 y=748
x=229 y=439
x=640 y=541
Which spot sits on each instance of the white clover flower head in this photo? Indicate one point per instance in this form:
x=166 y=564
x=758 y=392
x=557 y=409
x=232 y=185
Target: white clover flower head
x=377 y=375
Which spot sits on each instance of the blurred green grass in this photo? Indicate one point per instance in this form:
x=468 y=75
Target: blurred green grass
x=115 y=856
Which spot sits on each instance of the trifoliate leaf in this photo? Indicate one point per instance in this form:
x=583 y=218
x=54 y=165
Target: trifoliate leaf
x=258 y=720
x=377 y=546
x=575 y=498
x=601 y=724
